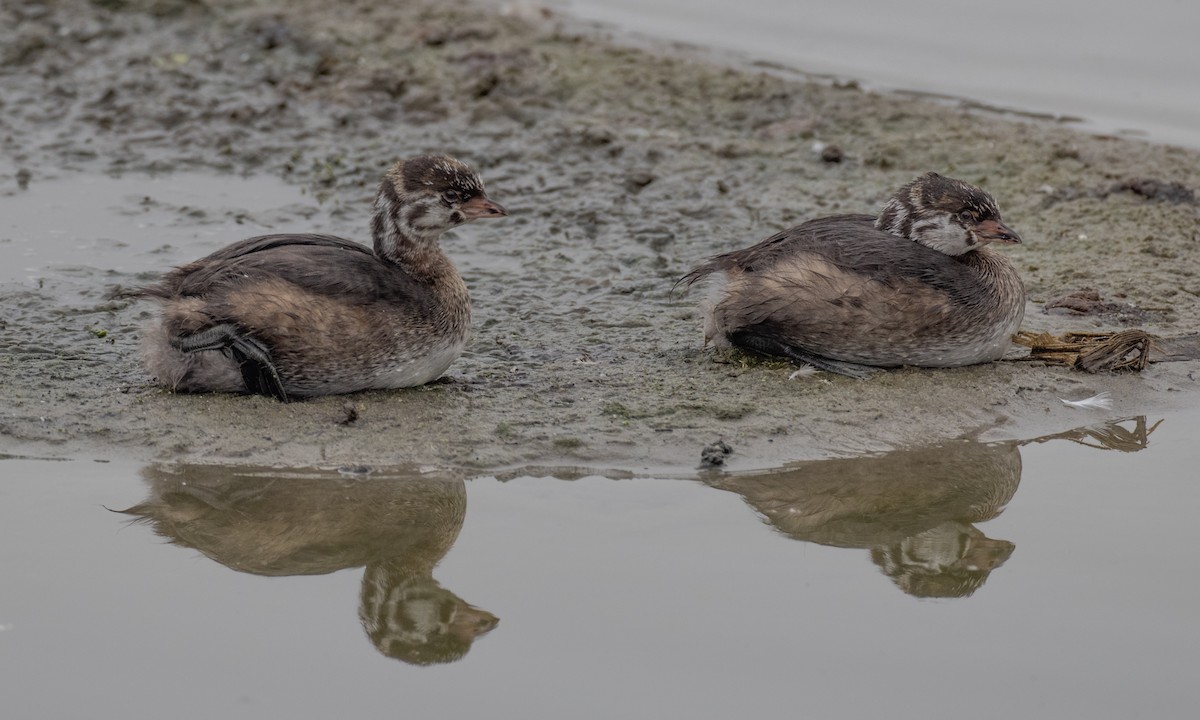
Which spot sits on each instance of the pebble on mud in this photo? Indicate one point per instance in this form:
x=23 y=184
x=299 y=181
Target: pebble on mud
x=635 y=181
x=349 y=414
x=831 y=154
x=714 y=454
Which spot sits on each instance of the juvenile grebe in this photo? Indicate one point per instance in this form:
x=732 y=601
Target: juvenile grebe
x=844 y=293
x=304 y=315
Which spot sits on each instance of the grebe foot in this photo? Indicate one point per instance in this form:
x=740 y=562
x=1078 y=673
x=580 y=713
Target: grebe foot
x=252 y=356
x=778 y=348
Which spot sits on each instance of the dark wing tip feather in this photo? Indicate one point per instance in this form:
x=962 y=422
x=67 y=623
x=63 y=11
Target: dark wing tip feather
x=120 y=292
x=714 y=264
x=690 y=279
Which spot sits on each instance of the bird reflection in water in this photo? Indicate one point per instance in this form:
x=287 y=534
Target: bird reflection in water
x=914 y=509
x=270 y=522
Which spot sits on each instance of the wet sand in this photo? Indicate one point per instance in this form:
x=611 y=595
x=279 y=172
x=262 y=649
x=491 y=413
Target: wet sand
x=622 y=166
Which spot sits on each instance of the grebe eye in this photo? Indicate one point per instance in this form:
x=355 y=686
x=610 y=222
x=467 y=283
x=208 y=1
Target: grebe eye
x=968 y=216
x=452 y=197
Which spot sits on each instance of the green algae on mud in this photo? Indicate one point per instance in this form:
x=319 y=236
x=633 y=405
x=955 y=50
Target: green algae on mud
x=622 y=168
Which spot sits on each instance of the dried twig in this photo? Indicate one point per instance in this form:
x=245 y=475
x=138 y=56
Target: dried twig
x=1090 y=352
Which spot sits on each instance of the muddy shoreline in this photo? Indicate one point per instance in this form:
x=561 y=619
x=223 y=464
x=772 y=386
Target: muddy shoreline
x=622 y=166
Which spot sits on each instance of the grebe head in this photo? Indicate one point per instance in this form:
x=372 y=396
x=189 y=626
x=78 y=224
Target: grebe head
x=422 y=197
x=945 y=214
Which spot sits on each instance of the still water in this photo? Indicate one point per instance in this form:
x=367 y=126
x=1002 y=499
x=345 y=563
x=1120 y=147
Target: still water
x=68 y=226
x=1120 y=67
x=1053 y=578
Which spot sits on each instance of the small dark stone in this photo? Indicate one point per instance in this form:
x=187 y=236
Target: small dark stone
x=635 y=181
x=326 y=64
x=714 y=454
x=486 y=84
x=350 y=414
x=597 y=136
x=831 y=153
x=272 y=34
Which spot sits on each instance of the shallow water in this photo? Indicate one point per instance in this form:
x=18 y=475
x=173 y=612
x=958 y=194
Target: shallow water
x=134 y=223
x=1121 y=67
x=254 y=592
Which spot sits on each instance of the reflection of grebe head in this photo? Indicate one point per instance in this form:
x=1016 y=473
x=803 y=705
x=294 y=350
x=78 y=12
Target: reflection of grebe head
x=416 y=620
x=951 y=560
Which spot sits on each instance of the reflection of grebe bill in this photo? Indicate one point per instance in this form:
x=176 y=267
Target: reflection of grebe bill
x=951 y=560
x=398 y=525
x=416 y=620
